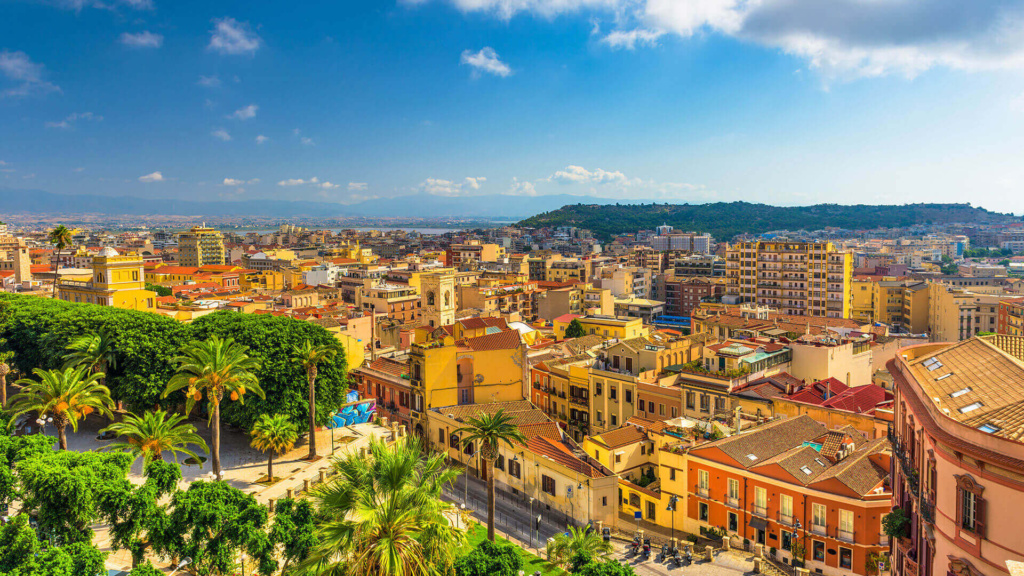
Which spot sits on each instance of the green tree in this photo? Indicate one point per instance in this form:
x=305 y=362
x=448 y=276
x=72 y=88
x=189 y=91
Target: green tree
x=154 y=433
x=216 y=367
x=896 y=523
x=577 y=541
x=5 y=354
x=294 y=530
x=273 y=435
x=213 y=523
x=605 y=568
x=575 y=329
x=146 y=569
x=490 y=559
x=272 y=339
x=383 y=515
x=94 y=351
x=488 y=433
x=160 y=290
x=67 y=395
x=14 y=449
x=310 y=356
x=23 y=554
x=135 y=516
x=60 y=238
x=63 y=490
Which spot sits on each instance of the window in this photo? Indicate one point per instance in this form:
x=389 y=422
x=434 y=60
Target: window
x=786 y=505
x=643 y=450
x=787 y=540
x=846 y=525
x=650 y=407
x=615 y=420
x=690 y=400
x=661 y=409
x=702 y=508
x=597 y=388
x=453 y=440
x=629 y=364
x=651 y=509
x=845 y=558
x=971 y=512
x=819 y=551
x=719 y=404
x=499 y=463
x=671 y=473
x=734 y=522
x=760 y=497
x=818 y=515
x=604 y=500
x=514 y=469
x=675 y=412
x=705 y=403
x=629 y=396
x=618 y=458
x=734 y=489
x=597 y=455
x=611 y=392
x=703 y=480
x=547 y=484
x=440 y=436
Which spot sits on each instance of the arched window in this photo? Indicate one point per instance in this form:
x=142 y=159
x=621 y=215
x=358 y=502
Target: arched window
x=447 y=299
x=430 y=298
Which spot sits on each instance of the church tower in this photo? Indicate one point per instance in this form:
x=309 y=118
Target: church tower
x=22 y=264
x=437 y=292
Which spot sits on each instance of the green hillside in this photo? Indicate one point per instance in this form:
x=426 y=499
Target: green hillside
x=725 y=220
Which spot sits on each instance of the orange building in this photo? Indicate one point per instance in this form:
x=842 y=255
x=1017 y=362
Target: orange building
x=797 y=488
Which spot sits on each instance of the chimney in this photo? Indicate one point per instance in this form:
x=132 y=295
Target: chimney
x=739 y=424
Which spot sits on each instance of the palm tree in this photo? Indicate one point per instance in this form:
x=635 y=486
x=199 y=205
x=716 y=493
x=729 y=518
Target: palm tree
x=216 y=367
x=152 y=434
x=96 y=351
x=60 y=237
x=310 y=356
x=274 y=435
x=383 y=515
x=66 y=395
x=489 y=432
x=577 y=540
x=4 y=371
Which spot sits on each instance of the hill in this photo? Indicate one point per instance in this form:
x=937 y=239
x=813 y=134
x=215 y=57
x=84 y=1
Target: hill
x=725 y=220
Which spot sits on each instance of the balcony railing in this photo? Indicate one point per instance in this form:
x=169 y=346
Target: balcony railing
x=761 y=511
x=927 y=510
x=819 y=529
x=883 y=539
x=785 y=519
x=702 y=492
x=845 y=536
x=734 y=502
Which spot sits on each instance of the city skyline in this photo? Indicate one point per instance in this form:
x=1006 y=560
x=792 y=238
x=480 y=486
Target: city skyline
x=699 y=101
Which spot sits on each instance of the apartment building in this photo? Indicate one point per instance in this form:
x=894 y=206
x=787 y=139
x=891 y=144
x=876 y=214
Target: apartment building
x=568 y=270
x=686 y=241
x=386 y=380
x=699 y=265
x=797 y=278
x=682 y=294
x=957 y=314
x=960 y=474
x=117 y=280
x=398 y=301
x=200 y=246
x=1011 y=317
x=803 y=491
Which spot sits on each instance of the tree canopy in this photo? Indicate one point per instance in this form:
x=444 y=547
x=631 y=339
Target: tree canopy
x=490 y=559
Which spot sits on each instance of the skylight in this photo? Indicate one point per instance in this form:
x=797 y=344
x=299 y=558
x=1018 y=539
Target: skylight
x=944 y=376
x=990 y=428
x=934 y=366
x=960 y=392
x=970 y=407
x=805 y=470
x=931 y=361
x=818 y=460
x=751 y=457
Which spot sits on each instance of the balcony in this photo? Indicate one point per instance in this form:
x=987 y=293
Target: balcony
x=883 y=539
x=785 y=519
x=733 y=501
x=578 y=400
x=761 y=511
x=910 y=567
x=927 y=510
x=845 y=536
x=702 y=492
x=819 y=529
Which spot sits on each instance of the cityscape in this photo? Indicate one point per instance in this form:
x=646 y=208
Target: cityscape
x=333 y=290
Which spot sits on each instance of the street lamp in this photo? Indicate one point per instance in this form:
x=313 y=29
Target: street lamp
x=672 y=508
x=184 y=562
x=531 y=517
x=796 y=540
x=333 y=424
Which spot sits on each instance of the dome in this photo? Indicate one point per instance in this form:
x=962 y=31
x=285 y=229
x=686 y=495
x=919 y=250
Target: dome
x=108 y=251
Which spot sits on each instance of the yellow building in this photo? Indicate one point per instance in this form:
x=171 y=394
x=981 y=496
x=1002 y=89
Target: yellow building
x=447 y=372
x=891 y=301
x=798 y=278
x=611 y=327
x=200 y=246
x=268 y=280
x=116 y=281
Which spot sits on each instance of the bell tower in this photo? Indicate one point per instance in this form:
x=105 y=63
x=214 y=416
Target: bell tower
x=437 y=292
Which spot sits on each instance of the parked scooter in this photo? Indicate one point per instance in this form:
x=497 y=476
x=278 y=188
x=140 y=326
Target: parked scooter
x=634 y=548
x=647 y=548
x=688 y=559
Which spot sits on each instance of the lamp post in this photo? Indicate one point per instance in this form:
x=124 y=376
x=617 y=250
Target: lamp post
x=672 y=509
x=531 y=519
x=796 y=541
x=333 y=424
x=184 y=562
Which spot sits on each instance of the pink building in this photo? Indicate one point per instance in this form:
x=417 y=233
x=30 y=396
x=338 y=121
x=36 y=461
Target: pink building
x=959 y=468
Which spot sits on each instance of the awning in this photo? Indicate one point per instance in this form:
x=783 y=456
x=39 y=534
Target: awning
x=758 y=523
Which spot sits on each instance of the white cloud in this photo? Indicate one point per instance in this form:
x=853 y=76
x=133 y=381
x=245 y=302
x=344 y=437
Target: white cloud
x=840 y=39
x=314 y=181
x=522 y=188
x=239 y=182
x=629 y=39
x=229 y=36
x=154 y=177
x=580 y=175
x=70 y=121
x=261 y=139
x=101 y=4
x=144 y=39
x=328 y=185
x=486 y=61
x=209 y=81
x=357 y=186
x=24 y=75
x=221 y=134
x=245 y=113
x=79 y=169
x=307 y=141
x=440 y=187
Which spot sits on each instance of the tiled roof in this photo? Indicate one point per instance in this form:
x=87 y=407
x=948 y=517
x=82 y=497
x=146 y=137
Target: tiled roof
x=328 y=322
x=815 y=393
x=768 y=441
x=583 y=343
x=561 y=454
x=831 y=444
x=857 y=471
x=504 y=340
x=859 y=399
x=622 y=436
x=566 y=318
x=802 y=462
x=480 y=323
x=548 y=430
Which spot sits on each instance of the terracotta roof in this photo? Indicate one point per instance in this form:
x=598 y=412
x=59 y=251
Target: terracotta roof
x=327 y=322
x=504 y=340
x=479 y=323
x=622 y=436
x=831 y=444
x=566 y=318
x=768 y=441
x=815 y=393
x=859 y=399
x=548 y=430
x=561 y=454
x=583 y=343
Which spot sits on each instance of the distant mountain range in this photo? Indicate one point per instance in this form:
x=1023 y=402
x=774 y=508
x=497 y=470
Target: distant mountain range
x=414 y=206
x=723 y=220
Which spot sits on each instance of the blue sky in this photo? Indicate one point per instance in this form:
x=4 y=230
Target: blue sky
x=775 y=101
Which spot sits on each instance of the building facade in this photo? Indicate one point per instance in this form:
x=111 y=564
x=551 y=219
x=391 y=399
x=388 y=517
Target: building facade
x=200 y=246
